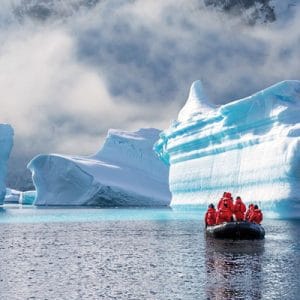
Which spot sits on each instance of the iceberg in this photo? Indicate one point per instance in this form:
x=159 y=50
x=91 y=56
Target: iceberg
x=6 y=144
x=125 y=172
x=250 y=147
x=27 y=197
x=12 y=196
x=18 y=197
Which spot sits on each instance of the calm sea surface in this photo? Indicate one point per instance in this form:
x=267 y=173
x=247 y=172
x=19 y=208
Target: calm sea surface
x=140 y=254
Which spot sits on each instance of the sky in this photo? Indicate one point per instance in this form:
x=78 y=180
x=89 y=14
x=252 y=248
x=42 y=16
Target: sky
x=69 y=72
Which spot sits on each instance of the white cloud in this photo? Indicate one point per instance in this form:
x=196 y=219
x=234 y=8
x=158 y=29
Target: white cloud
x=65 y=81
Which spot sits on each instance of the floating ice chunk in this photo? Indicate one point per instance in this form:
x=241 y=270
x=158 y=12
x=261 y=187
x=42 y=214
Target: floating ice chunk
x=12 y=196
x=125 y=172
x=250 y=147
x=27 y=197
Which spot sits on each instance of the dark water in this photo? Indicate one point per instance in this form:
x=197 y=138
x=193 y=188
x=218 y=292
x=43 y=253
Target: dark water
x=140 y=254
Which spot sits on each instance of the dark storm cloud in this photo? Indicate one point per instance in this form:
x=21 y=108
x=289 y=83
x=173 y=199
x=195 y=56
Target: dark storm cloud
x=43 y=10
x=145 y=61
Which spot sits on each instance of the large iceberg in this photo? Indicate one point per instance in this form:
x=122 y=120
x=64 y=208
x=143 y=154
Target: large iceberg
x=6 y=143
x=250 y=147
x=125 y=172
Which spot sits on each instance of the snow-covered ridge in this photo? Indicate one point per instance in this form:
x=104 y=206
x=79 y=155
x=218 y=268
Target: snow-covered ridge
x=125 y=172
x=6 y=143
x=249 y=146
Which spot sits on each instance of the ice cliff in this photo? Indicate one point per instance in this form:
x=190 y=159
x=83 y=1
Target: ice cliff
x=125 y=172
x=249 y=147
x=6 y=143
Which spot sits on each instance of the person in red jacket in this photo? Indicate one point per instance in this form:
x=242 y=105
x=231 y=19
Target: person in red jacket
x=231 y=205
x=249 y=211
x=239 y=209
x=227 y=198
x=256 y=215
x=210 y=216
x=221 y=199
x=224 y=214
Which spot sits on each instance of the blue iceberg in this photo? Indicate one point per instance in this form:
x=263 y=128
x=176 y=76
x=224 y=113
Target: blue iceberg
x=250 y=147
x=27 y=197
x=6 y=144
x=18 y=197
x=12 y=196
x=125 y=172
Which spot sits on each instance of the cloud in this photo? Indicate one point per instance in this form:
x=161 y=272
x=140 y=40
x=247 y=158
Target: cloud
x=180 y=43
x=66 y=78
x=50 y=98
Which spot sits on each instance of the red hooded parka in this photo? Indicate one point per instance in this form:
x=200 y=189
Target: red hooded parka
x=210 y=217
x=239 y=209
x=256 y=216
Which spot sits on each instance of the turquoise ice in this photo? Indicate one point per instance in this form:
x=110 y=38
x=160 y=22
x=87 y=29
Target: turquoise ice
x=27 y=197
x=6 y=143
x=249 y=147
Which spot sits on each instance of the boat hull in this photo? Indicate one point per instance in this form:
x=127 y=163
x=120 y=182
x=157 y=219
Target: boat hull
x=236 y=230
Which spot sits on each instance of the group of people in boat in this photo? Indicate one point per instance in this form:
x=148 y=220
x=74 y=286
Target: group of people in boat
x=229 y=211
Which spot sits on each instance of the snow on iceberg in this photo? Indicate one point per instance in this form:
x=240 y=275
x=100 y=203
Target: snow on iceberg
x=250 y=147
x=6 y=143
x=125 y=172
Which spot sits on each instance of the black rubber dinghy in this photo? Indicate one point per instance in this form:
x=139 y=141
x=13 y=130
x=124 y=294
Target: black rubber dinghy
x=236 y=230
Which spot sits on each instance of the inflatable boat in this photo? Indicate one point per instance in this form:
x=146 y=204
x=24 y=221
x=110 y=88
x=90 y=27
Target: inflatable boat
x=236 y=230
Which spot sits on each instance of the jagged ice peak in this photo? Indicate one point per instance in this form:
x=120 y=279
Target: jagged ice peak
x=197 y=103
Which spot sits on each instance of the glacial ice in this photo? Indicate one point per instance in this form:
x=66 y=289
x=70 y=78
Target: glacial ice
x=125 y=172
x=18 y=197
x=249 y=147
x=27 y=197
x=12 y=196
x=6 y=143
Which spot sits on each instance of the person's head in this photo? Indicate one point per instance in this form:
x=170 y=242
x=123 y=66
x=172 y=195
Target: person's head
x=228 y=195
x=238 y=198
x=251 y=205
x=255 y=206
x=224 y=194
x=211 y=206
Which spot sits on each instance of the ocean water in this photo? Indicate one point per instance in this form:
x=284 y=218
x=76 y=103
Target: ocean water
x=141 y=254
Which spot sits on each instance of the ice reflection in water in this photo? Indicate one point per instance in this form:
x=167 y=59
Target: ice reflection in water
x=233 y=269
